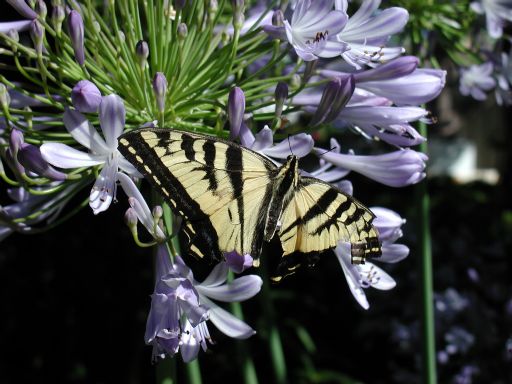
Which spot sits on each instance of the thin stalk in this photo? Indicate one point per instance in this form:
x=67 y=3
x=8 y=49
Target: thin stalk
x=193 y=372
x=429 y=373
x=274 y=337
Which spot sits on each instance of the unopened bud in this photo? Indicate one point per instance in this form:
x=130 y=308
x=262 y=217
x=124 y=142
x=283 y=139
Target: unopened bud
x=31 y=158
x=76 y=34
x=160 y=90
x=142 y=52
x=310 y=68
x=236 y=110
x=182 y=31
x=16 y=140
x=86 y=97
x=157 y=212
x=179 y=4
x=5 y=99
x=296 y=81
x=41 y=9
x=58 y=16
x=238 y=13
x=23 y=9
x=213 y=6
x=37 y=35
x=281 y=94
x=278 y=18
x=130 y=218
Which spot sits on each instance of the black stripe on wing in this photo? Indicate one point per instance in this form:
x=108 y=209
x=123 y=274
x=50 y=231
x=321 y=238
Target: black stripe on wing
x=136 y=150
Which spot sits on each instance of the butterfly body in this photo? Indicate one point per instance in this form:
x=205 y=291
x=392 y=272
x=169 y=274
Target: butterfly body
x=234 y=199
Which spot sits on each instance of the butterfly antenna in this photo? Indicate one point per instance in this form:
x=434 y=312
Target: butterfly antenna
x=332 y=149
x=290 y=144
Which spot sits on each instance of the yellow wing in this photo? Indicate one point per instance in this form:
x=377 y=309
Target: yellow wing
x=316 y=218
x=221 y=189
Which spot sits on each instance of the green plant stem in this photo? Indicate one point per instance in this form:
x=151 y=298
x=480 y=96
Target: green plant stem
x=429 y=373
x=193 y=372
x=274 y=337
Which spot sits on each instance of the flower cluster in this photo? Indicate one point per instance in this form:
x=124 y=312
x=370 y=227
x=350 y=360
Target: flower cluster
x=199 y=66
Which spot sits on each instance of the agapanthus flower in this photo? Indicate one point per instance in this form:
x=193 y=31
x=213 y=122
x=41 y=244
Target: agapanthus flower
x=180 y=307
x=395 y=169
x=362 y=276
x=313 y=28
x=367 y=31
x=497 y=13
x=476 y=80
x=103 y=150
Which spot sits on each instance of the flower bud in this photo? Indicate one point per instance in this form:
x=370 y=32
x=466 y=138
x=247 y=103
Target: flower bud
x=23 y=9
x=41 y=9
x=86 y=97
x=160 y=90
x=142 y=52
x=130 y=218
x=278 y=18
x=179 y=4
x=157 y=212
x=182 y=31
x=238 y=13
x=281 y=94
x=213 y=6
x=238 y=263
x=76 y=34
x=236 y=109
x=31 y=158
x=5 y=99
x=37 y=35
x=16 y=140
x=58 y=16
x=308 y=72
x=296 y=81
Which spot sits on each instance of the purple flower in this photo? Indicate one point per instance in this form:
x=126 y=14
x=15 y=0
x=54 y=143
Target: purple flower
x=180 y=307
x=31 y=159
x=140 y=207
x=19 y=26
x=86 y=97
x=23 y=9
x=497 y=13
x=300 y=144
x=335 y=96
x=76 y=34
x=476 y=80
x=313 y=29
x=103 y=150
x=395 y=169
x=367 y=32
x=160 y=90
x=238 y=263
x=362 y=276
x=142 y=52
x=236 y=109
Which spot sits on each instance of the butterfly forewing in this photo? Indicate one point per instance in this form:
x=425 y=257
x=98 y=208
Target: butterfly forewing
x=220 y=189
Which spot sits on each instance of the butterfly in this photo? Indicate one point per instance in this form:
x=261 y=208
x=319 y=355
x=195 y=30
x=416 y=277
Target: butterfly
x=234 y=199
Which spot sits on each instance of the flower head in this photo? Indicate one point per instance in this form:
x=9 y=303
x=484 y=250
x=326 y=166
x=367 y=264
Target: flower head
x=103 y=150
x=476 y=80
x=180 y=307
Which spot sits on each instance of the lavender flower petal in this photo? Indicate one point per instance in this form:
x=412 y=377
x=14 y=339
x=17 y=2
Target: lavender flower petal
x=236 y=109
x=112 y=119
x=84 y=133
x=30 y=157
x=76 y=34
x=104 y=188
x=86 y=97
x=240 y=289
x=217 y=276
x=23 y=9
x=19 y=26
x=227 y=323
x=299 y=145
x=63 y=156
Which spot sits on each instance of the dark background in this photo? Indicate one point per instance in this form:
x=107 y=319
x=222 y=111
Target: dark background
x=74 y=300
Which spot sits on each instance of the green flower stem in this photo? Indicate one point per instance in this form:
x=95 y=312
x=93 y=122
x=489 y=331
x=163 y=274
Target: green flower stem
x=274 y=338
x=425 y=270
x=193 y=372
x=248 y=368
x=166 y=369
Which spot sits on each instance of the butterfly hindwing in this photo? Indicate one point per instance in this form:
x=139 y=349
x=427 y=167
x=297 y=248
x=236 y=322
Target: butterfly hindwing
x=316 y=218
x=219 y=188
